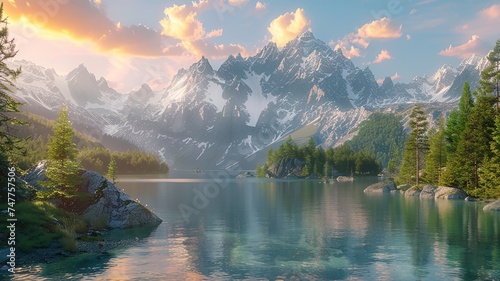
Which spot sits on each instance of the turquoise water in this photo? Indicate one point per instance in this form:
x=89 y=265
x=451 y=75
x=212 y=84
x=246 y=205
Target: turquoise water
x=253 y=229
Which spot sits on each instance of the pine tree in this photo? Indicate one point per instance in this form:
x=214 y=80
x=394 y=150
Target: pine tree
x=112 y=170
x=62 y=166
x=10 y=143
x=489 y=176
x=490 y=77
x=455 y=125
x=436 y=159
x=416 y=144
x=474 y=146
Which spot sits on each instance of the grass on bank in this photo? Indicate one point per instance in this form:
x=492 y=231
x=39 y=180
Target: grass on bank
x=39 y=223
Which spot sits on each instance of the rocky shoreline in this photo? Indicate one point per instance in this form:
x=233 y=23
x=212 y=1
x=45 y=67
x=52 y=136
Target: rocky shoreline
x=428 y=192
x=100 y=249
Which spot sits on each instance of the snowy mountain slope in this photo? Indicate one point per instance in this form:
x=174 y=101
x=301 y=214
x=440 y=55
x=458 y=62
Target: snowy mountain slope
x=217 y=118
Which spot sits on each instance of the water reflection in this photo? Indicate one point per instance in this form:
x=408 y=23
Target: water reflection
x=261 y=229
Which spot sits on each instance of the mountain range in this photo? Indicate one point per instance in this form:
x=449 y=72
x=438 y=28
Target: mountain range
x=209 y=118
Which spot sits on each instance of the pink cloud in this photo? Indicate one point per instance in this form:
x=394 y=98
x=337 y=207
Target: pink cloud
x=237 y=2
x=288 y=26
x=260 y=8
x=492 y=12
x=474 y=46
x=393 y=77
x=383 y=56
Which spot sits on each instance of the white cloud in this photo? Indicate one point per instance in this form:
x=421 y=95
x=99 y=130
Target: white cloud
x=380 y=29
x=288 y=26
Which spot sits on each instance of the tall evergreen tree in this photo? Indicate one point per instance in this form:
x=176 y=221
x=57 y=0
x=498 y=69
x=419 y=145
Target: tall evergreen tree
x=7 y=103
x=62 y=166
x=455 y=125
x=474 y=146
x=436 y=159
x=416 y=144
x=489 y=176
x=490 y=77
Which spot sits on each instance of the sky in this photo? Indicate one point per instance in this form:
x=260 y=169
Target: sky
x=131 y=42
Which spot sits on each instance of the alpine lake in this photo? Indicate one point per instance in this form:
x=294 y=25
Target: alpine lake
x=217 y=227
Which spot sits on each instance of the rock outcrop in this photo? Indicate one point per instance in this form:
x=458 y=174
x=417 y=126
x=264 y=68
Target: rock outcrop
x=450 y=193
x=493 y=206
x=108 y=206
x=412 y=192
x=381 y=187
x=428 y=192
x=287 y=168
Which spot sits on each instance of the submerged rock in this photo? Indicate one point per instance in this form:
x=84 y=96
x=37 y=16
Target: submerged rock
x=106 y=204
x=344 y=179
x=450 y=193
x=493 y=206
x=381 y=187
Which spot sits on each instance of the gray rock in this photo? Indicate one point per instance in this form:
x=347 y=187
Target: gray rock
x=451 y=193
x=345 y=179
x=245 y=175
x=111 y=206
x=413 y=192
x=428 y=192
x=287 y=167
x=381 y=187
x=493 y=206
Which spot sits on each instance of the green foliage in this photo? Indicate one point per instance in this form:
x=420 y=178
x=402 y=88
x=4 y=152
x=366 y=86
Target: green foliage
x=436 y=159
x=321 y=162
x=40 y=223
x=8 y=106
x=474 y=146
x=455 y=125
x=62 y=167
x=490 y=77
x=98 y=159
x=383 y=134
x=112 y=170
x=415 y=146
x=489 y=175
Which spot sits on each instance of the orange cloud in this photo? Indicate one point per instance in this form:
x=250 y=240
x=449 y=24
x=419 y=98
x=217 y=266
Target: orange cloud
x=474 y=46
x=82 y=21
x=383 y=56
x=288 y=26
x=182 y=24
x=348 y=52
x=380 y=29
x=352 y=43
x=393 y=77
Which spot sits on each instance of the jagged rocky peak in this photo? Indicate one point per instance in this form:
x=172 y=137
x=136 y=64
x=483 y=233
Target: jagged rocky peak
x=202 y=66
x=307 y=43
x=269 y=51
x=475 y=61
x=143 y=94
x=387 y=84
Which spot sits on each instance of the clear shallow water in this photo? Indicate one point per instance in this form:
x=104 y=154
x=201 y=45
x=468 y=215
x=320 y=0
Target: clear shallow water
x=301 y=230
